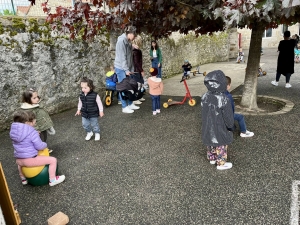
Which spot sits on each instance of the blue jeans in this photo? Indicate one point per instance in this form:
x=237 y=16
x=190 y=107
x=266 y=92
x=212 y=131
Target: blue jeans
x=121 y=74
x=91 y=124
x=155 y=102
x=155 y=65
x=241 y=120
x=287 y=77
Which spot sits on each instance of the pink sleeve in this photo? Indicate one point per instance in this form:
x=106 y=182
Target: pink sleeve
x=79 y=104
x=99 y=103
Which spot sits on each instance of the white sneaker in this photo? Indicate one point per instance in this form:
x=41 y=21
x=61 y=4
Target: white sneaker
x=88 y=136
x=24 y=181
x=142 y=99
x=133 y=106
x=97 y=136
x=212 y=162
x=51 y=131
x=58 y=179
x=119 y=103
x=154 y=113
x=287 y=85
x=226 y=166
x=127 y=110
x=247 y=134
x=137 y=102
x=274 y=82
x=158 y=110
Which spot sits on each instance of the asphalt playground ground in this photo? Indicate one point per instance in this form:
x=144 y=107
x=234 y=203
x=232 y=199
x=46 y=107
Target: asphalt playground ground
x=153 y=169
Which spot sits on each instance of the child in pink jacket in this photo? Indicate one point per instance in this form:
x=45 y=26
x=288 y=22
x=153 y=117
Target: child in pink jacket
x=155 y=90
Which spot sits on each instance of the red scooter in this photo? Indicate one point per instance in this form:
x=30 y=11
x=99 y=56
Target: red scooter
x=192 y=101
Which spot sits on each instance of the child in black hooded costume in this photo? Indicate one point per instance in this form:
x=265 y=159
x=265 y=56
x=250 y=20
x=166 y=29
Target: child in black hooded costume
x=217 y=118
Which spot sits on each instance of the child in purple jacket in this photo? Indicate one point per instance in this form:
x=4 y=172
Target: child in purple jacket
x=27 y=142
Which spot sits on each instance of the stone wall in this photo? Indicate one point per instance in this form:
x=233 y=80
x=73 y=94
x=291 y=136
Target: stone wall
x=53 y=66
x=198 y=50
x=32 y=56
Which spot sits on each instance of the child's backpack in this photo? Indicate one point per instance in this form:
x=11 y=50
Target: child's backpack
x=110 y=85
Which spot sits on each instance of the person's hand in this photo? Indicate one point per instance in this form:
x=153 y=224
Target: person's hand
x=78 y=113
x=128 y=73
x=101 y=113
x=143 y=73
x=135 y=46
x=158 y=64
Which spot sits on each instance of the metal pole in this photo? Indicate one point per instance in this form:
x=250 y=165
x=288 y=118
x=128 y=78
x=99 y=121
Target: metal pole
x=12 y=4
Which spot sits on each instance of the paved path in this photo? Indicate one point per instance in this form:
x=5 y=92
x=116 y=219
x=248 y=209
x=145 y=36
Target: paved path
x=153 y=170
x=232 y=69
x=235 y=70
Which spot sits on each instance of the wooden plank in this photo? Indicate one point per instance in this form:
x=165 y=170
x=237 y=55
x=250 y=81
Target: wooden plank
x=11 y=216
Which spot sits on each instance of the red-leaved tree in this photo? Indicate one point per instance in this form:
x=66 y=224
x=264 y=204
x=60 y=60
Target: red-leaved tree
x=160 y=18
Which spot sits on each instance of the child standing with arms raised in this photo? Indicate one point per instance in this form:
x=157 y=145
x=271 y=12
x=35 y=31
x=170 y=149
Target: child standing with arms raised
x=27 y=142
x=217 y=118
x=90 y=108
x=155 y=90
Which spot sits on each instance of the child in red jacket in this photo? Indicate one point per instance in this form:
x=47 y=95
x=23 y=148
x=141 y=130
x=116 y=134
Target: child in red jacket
x=155 y=90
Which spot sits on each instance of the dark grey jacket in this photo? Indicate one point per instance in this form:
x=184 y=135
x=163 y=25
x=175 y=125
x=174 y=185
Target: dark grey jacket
x=217 y=115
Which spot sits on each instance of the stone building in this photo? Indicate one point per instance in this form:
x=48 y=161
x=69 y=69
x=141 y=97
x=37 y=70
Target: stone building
x=37 y=10
x=271 y=37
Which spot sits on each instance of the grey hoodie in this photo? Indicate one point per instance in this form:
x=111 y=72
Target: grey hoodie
x=217 y=115
x=124 y=59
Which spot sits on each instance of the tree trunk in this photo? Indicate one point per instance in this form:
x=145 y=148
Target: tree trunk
x=249 y=97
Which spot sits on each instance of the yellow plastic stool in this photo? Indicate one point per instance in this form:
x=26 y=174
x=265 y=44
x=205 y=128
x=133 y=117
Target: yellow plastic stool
x=30 y=172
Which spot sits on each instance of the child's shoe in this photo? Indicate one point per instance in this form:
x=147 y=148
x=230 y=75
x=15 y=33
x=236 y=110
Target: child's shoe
x=247 y=134
x=88 y=136
x=58 y=179
x=158 y=110
x=154 y=113
x=213 y=162
x=226 y=166
x=142 y=99
x=119 y=103
x=97 y=136
x=274 y=82
x=51 y=131
x=24 y=181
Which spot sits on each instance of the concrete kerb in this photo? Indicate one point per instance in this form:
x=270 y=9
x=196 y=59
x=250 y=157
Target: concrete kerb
x=286 y=106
